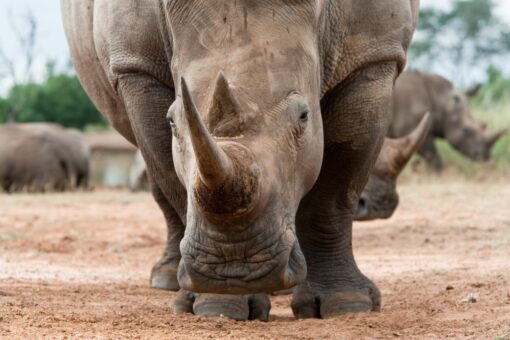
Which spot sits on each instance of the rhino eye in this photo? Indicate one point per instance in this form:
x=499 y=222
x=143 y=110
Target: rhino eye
x=303 y=118
x=171 y=122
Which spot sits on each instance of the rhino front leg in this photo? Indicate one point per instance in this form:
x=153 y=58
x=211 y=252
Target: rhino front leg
x=355 y=118
x=429 y=152
x=147 y=101
x=164 y=272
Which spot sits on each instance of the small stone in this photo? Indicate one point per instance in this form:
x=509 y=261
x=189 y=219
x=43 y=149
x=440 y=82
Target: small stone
x=449 y=287
x=470 y=298
x=219 y=325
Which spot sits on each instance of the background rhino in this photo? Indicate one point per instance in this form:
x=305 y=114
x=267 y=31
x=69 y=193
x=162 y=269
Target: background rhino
x=138 y=180
x=259 y=122
x=417 y=92
x=42 y=157
x=379 y=198
x=75 y=147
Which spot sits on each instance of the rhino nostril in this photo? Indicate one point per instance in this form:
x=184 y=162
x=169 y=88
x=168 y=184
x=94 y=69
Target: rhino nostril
x=361 y=203
x=362 y=210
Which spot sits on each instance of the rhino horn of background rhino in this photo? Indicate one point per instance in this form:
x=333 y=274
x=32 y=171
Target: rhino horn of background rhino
x=214 y=166
x=494 y=137
x=408 y=145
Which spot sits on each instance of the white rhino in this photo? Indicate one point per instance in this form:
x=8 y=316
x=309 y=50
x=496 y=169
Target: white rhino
x=259 y=122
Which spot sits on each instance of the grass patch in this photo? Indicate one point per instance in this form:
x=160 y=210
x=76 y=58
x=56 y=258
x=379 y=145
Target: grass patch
x=502 y=337
x=8 y=235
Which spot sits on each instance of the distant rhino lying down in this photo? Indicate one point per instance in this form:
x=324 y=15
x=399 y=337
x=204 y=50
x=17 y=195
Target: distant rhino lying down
x=41 y=157
x=418 y=92
x=259 y=122
x=379 y=198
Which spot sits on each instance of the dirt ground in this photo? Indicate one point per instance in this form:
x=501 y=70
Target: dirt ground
x=77 y=265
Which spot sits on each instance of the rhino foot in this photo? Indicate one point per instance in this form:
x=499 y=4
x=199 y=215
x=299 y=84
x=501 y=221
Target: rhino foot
x=321 y=303
x=236 y=307
x=284 y=292
x=164 y=275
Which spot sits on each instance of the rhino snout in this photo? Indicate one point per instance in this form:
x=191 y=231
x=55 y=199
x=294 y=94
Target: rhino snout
x=278 y=266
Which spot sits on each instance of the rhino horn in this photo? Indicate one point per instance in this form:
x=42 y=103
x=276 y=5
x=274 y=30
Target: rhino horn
x=409 y=144
x=223 y=105
x=494 y=137
x=214 y=166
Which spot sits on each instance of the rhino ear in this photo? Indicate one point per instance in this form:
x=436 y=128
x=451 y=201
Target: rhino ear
x=493 y=138
x=408 y=145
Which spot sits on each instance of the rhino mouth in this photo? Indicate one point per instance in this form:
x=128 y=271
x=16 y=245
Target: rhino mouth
x=249 y=267
x=381 y=208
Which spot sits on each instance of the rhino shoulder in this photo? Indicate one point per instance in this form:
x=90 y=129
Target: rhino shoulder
x=363 y=32
x=131 y=37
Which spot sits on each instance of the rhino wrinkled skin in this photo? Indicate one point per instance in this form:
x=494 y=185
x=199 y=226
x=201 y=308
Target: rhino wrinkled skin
x=259 y=122
x=418 y=92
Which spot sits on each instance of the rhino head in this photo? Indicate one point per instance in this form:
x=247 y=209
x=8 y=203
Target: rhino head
x=247 y=141
x=467 y=135
x=379 y=198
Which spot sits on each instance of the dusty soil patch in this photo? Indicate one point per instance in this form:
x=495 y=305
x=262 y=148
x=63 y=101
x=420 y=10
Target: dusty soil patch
x=77 y=265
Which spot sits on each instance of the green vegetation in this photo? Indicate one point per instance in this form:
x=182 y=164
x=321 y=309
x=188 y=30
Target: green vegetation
x=456 y=40
x=59 y=99
x=502 y=337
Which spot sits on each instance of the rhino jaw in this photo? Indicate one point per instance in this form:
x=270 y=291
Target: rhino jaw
x=279 y=266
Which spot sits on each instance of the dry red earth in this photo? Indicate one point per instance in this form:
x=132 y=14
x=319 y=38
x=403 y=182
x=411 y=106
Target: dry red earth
x=77 y=265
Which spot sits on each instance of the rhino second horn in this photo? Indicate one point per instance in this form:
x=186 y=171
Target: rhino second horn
x=214 y=166
x=411 y=143
x=223 y=105
x=493 y=138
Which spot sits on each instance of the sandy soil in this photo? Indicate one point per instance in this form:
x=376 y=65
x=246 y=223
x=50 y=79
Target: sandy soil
x=77 y=265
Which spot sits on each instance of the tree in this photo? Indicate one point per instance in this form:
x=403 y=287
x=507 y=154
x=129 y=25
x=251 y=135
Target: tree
x=467 y=36
x=495 y=90
x=59 y=99
x=26 y=38
x=4 y=109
